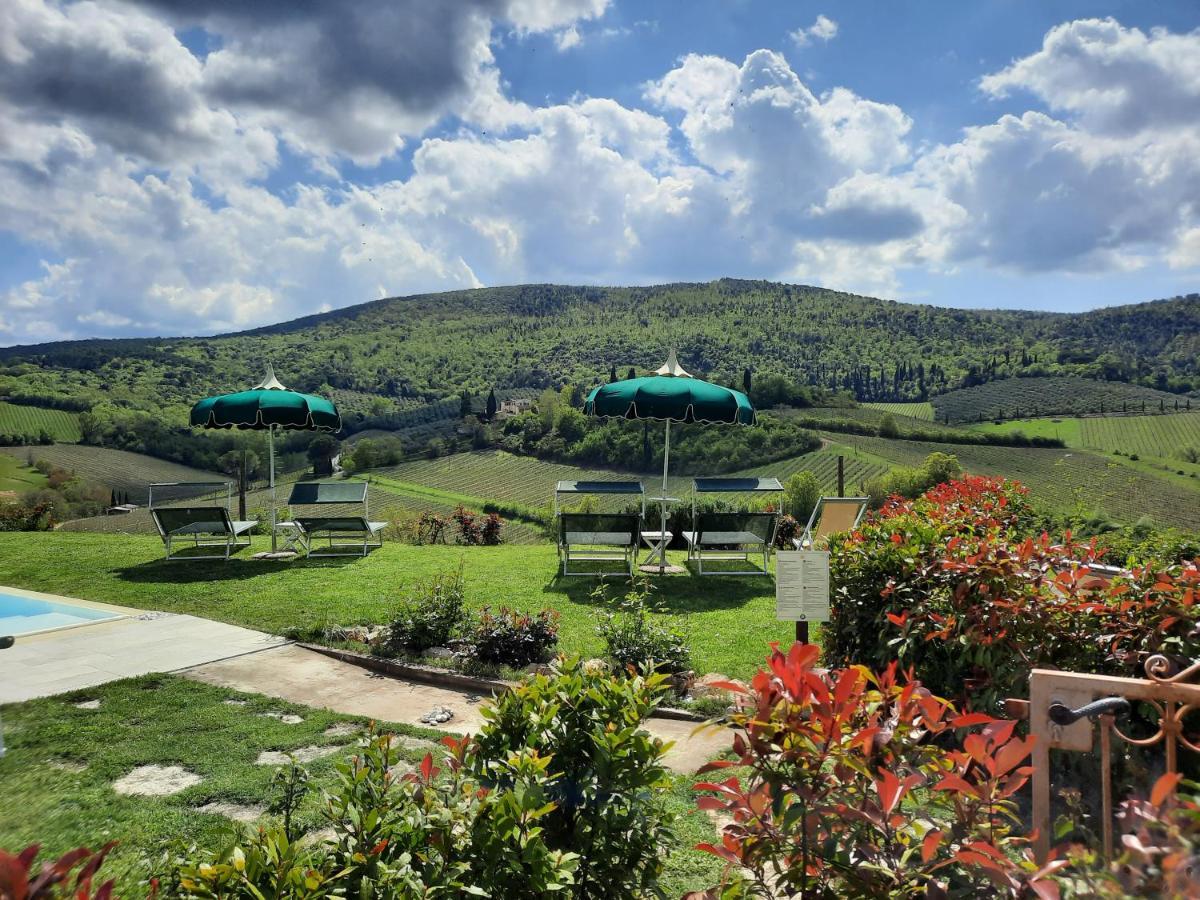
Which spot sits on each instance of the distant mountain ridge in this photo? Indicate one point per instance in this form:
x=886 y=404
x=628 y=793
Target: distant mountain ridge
x=405 y=350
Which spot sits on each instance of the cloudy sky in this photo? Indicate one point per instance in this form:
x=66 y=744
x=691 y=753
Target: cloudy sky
x=196 y=166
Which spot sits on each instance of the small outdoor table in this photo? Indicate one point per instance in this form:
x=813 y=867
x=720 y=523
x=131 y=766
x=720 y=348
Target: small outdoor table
x=657 y=540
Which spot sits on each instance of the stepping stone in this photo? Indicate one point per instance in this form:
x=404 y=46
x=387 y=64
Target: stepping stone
x=320 y=836
x=156 y=781
x=285 y=718
x=234 y=702
x=417 y=743
x=87 y=704
x=235 y=811
x=303 y=755
x=342 y=729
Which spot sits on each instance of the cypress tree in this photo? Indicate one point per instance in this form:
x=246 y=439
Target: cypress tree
x=491 y=404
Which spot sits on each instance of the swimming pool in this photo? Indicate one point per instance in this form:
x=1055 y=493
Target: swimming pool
x=27 y=613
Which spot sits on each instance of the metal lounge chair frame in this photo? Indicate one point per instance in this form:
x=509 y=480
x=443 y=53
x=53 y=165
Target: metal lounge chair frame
x=808 y=538
x=206 y=526
x=732 y=536
x=599 y=537
x=347 y=535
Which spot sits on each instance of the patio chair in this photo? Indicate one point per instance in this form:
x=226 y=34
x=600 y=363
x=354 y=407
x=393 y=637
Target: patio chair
x=597 y=537
x=832 y=515
x=731 y=536
x=198 y=527
x=346 y=535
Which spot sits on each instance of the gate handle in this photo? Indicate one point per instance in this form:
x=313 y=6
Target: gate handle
x=1061 y=714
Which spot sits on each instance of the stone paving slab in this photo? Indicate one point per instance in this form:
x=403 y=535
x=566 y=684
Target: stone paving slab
x=55 y=662
x=312 y=679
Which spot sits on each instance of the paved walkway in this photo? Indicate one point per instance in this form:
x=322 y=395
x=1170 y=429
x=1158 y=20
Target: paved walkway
x=59 y=661
x=312 y=679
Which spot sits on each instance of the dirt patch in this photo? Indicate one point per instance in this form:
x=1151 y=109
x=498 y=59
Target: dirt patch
x=156 y=781
x=235 y=811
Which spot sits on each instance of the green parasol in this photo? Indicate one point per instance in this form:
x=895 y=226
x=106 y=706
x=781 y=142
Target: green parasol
x=265 y=407
x=669 y=395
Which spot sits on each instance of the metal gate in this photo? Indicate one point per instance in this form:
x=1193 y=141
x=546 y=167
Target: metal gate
x=1066 y=709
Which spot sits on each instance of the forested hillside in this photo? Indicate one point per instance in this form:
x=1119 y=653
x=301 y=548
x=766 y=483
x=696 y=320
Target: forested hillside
x=383 y=357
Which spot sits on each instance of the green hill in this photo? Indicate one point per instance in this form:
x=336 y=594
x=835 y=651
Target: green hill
x=401 y=353
x=120 y=470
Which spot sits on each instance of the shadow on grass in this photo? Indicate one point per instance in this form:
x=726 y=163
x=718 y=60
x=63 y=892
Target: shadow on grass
x=689 y=593
x=237 y=568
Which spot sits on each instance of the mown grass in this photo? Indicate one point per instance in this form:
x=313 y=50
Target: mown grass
x=57 y=776
x=730 y=619
x=17 y=477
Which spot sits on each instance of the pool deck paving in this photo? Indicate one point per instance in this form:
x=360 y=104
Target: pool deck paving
x=54 y=662
x=302 y=676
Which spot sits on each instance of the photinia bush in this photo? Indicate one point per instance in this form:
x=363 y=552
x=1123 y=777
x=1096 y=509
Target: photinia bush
x=864 y=785
x=56 y=880
x=961 y=585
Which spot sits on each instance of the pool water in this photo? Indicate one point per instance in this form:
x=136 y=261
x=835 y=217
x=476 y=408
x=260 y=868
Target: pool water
x=26 y=615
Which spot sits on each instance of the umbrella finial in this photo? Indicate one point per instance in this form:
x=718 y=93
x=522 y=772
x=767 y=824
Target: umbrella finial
x=270 y=382
x=672 y=367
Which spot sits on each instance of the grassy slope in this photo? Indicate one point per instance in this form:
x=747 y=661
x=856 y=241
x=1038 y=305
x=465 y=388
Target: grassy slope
x=63 y=809
x=731 y=619
x=32 y=421
x=117 y=469
x=18 y=477
x=1062 y=480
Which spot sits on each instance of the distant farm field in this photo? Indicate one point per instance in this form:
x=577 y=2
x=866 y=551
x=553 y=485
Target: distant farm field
x=923 y=411
x=32 y=421
x=120 y=470
x=1013 y=398
x=1066 y=480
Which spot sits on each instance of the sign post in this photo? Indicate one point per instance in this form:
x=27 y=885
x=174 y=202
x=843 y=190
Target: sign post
x=802 y=588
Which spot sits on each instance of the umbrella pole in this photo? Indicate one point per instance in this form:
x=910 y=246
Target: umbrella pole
x=662 y=525
x=271 y=451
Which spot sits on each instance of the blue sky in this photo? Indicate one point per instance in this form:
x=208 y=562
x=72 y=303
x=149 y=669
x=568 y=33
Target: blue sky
x=178 y=168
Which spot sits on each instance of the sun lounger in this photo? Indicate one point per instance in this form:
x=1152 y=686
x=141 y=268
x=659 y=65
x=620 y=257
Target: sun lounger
x=200 y=527
x=597 y=537
x=345 y=535
x=832 y=515
x=736 y=536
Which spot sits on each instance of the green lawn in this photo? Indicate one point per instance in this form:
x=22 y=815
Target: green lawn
x=730 y=619
x=61 y=762
x=17 y=477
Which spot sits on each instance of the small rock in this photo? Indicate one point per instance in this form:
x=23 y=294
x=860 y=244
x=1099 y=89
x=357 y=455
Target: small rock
x=303 y=755
x=285 y=718
x=474 y=698
x=438 y=715
x=156 y=781
x=235 y=811
x=87 y=704
x=440 y=653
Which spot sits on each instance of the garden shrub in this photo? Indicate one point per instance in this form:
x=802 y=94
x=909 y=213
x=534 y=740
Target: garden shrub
x=607 y=781
x=429 y=615
x=847 y=796
x=801 y=493
x=57 y=880
x=508 y=637
x=786 y=529
x=562 y=794
x=633 y=640
x=959 y=585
